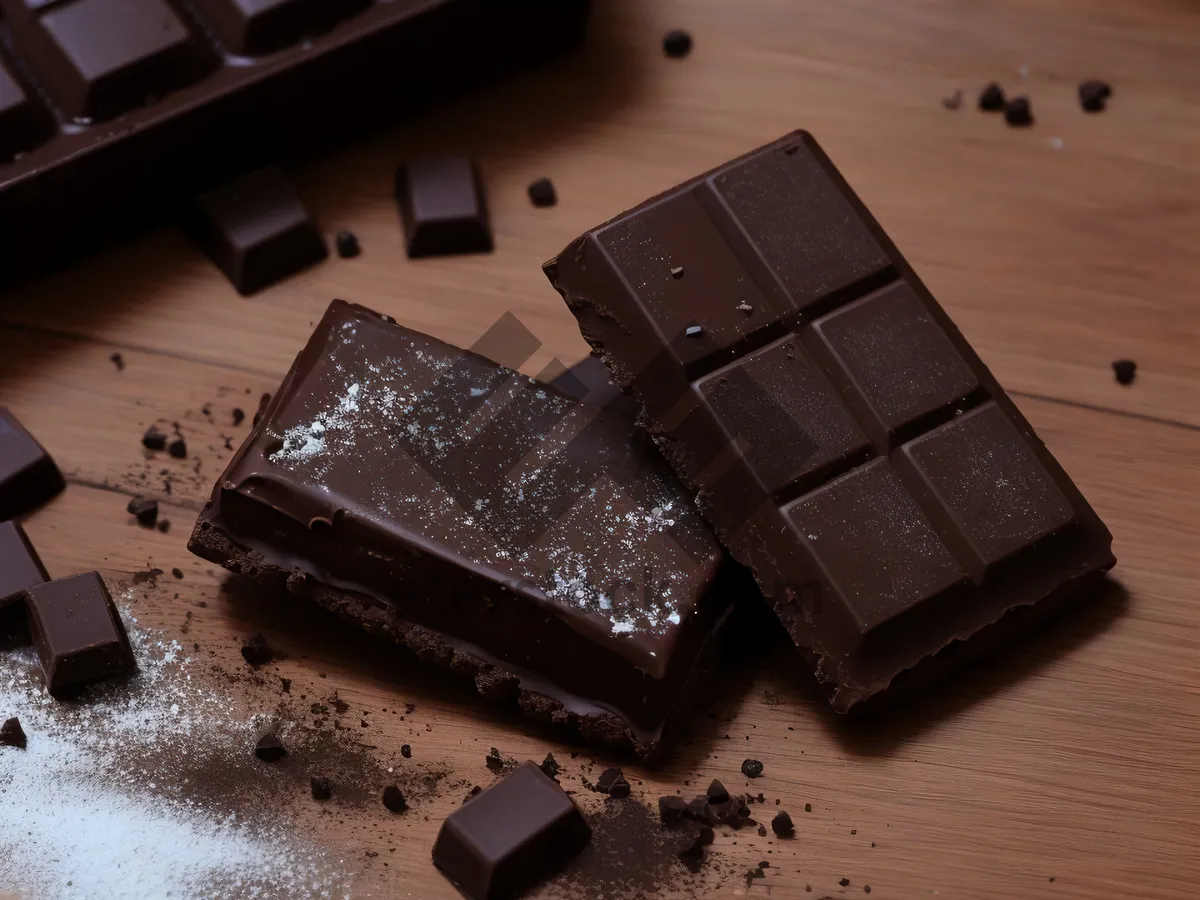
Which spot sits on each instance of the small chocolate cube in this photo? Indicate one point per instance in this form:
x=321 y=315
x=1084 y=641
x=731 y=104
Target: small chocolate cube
x=442 y=207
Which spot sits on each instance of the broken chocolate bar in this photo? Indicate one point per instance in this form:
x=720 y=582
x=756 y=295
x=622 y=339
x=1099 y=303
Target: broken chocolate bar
x=844 y=439
x=510 y=837
x=28 y=476
x=483 y=520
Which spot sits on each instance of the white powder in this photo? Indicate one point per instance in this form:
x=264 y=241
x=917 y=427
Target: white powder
x=82 y=816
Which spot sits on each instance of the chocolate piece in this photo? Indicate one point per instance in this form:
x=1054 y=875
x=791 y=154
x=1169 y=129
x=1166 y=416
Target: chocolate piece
x=1093 y=95
x=119 y=361
x=671 y=810
x=494 y=761
x=239 y=416
x=144 y=510
x=177 y=573
x=256 y=651
x=256 y=230
x=752 y=768
x=347 y=246
x=607 y=779
x=28 y=476
x=177 y=448
x=406 y=751
x=209 y=89
x=1124 y=370
x=717 y=793
x=1018 y=113
x=442 y=207
x=677 y=43
x=12 y=734
x=991 y=99
x=501 y=529
x=394 y=800
x=542 y=193
x=321 y=788
x=510 y=837
x=20 y=567
x=78 y=633
x=154 y=439
x=550 y=766
x=782 y=825
x=269 y=748
x=844 y=439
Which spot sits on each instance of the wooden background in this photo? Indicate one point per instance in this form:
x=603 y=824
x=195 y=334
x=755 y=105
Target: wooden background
x=1066 y=769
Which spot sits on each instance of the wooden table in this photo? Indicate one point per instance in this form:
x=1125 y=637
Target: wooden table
x=1067 y=768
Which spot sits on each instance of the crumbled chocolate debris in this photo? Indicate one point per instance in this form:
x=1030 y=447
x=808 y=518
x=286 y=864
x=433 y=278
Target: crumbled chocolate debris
x=762 y=830
x=867 y=888
x=154 y=439
x=717 y=793
x=671 y=810
x=954 y=101
x=752 y=768
x=239 y=416
x=340 y=706
x=845 y=882
x=1093 y=95
x=347 y=244
x=144 y=510
x=808 y=807
x=494 y=761
x=677 y=43
x=550 y=766
x=206 y=409
x=119 y=361
x=542 y=193
x=406 y=751
x=263 y=402
x=256 y=650
x=285 y=685
x=1125 y=371
x=178 y=573
x=854 y=831
x=1018 y=113
x=269 y=748
x=782 y=825
x=164 y=525
x=178 y=448
x=321 y=789
x=393 y=799
x=991 y=99
x=608 y=778
x=12 y=734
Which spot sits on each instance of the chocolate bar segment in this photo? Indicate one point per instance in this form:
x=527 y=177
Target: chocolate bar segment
x=253 y=27
x=442 y=207
x=844 y=439
x=485 y=521
x=510 y=837
x=28 y=476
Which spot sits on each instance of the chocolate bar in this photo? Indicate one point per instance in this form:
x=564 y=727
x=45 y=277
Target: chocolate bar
x=28 y=476
x=484 y=521
x=845 y=441
x=511 y=836
x=114 y=113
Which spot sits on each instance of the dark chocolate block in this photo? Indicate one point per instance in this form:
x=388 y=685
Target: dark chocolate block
x=20 y=566
x=206 y=90
x=442 y=207
x=483 y=520
x=256 y=230
x=510 y=837
x=78 y=633
x=28 y=476
x=844 y=439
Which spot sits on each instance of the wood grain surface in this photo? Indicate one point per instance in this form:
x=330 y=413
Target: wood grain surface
x=1067 y=768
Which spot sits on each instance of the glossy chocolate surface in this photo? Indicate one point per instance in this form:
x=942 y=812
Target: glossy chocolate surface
x=28 y=476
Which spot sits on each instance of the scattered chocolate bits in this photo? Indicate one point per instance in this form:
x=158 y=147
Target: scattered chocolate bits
x=406 y=751
x=550 y=766
x=620 y=789
x=154 y=439
x=782 y=825
x=752 y=768
x=866 y=889
x=1093 y=95
x=347 y=244
x=256 y=651
x=269 y=748
x=178 y=448
x=845 y=882
x=393 y=799
x=954 y=101
x=12 y=734
x=119 y=361
x=677 y=43
x=991 y=99
x=671 y=810
x=164 y=525
x=177 y=573
x=717 y=793
x=144 y=510
x=808 y=807
x=1018 y=113
x=762 y=830
x=321 y=788
x=494 y=761
x=542 y=193
x=239 y=415
x=609 y=779
x=1125 y=371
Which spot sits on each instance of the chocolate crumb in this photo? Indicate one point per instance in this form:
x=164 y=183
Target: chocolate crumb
x=347 y=244
x=1125 y=371
x=393 y=799
x=609 y=778
x=178 y=573
x=752 y=768
x=178 y=448
x=845 y=882
x=285 y=684
x=406 y=751
x=782 y=825
x=762 y=830
x=866 y=889
x=1093 y=95
x=542 y=193
x=164 y=525
x=119 y=361
x=154 y=439
x=494 y=761
x=808 y=807
x=239 y=415
x=677 y=43
x=1018 y=112
x=255 y=650
x=717 y=793
x=269 y=748
x=12 y=734
x=550 y=766
x=144 y=510
x=991 y=99
x=321 y=789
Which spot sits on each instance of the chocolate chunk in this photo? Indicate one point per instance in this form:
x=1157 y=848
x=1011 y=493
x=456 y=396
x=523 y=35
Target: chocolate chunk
x=12 y=734
x=870 y=506
x=78 y=633
x=542 y=193
x=845 y=882
x=1125 y=370
x=762 y=830
x=394 y=800
x=808 y=807
x=178 y=448
x=256 y=230
x=154 y=439
x=550 y=766
x=347 y=245
x=752 y=768
x=28 y=476
x=494 y=761
x=1093 y=95
x=1018 y=113
x=442 y=207
x=717 y=793
x=782 y=825
x=671 y=809
x=269 y=748
x=144 y=510
x=20 y=569
x=119 y=361
x=991 y=99
x=177 y=573
x=607 y=779
x=256 y=651
x=321 y=788
x=510 y=837
x=677 y=43
x=239 y=416
x=619 y=789
x=406 y=751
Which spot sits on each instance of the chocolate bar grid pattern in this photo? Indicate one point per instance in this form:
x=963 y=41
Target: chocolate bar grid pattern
x=880 y=449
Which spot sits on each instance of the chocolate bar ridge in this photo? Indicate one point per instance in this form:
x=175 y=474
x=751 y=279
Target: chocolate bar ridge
x=845 y=441
x=483 y=520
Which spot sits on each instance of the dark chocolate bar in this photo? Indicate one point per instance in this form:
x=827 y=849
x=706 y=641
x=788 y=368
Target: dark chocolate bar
x=28 y=476
x=114 y=113
x=846 y=442
x=20 y=566
x=511 y=836
x=482 y=519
